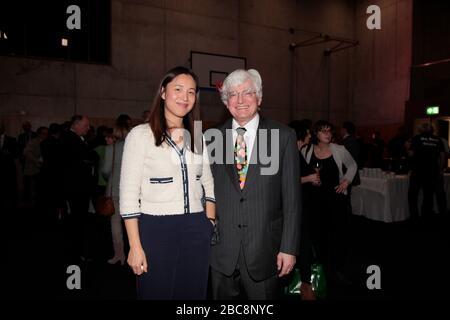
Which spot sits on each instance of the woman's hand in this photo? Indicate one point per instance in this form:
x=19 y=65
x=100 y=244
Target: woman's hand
x=342 y=187
x=314 y=179
x=137 y=260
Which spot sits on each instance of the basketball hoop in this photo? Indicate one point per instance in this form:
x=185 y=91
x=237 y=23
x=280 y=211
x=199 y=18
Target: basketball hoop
x=218 y=85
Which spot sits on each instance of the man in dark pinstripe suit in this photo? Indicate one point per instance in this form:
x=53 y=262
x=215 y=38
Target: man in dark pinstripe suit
x=257 y=197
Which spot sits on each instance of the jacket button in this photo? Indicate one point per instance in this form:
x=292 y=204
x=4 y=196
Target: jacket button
x=241 y=200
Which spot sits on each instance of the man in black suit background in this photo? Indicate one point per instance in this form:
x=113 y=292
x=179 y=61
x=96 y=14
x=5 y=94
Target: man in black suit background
x=52 y=197
x=9 y=152
x=258 y=201
x=352 y=143
x=78 y=180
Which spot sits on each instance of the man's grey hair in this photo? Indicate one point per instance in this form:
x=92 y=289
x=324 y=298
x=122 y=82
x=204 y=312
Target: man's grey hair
x=237 y=78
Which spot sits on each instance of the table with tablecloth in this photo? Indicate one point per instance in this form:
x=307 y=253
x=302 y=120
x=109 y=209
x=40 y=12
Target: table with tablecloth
x=386 y=198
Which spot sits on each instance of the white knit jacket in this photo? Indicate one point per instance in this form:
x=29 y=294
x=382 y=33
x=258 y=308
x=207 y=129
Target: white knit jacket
x=161 y=180
x=342 y=157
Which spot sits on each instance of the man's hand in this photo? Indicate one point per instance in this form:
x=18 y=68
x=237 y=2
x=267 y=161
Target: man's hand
x=285 y=263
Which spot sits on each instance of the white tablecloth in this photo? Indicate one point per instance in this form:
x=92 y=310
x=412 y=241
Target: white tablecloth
x=384 y=199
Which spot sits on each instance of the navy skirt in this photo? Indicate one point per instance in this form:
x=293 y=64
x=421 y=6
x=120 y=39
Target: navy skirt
x=177 y=249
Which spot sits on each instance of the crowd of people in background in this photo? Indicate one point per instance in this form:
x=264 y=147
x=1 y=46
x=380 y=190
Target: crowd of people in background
x=329 y=171
x=36 y=151
x=60 y=170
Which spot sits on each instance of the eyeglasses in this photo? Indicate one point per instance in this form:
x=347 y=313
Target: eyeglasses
x=246 y=94
x=325 y=131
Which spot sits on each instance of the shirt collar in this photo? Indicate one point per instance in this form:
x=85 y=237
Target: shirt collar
x=251 y=126
x=81 y=137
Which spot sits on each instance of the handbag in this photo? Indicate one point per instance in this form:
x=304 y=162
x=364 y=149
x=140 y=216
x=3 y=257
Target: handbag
x=104 y=205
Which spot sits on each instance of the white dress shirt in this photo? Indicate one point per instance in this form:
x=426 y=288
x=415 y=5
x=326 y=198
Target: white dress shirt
x=250 y=134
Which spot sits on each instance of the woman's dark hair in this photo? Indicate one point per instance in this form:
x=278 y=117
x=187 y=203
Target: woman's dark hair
x=54 y=129
x=350 y=127
x=318 y=126
x=301 y=128
x=157 y=119
x=123 y=121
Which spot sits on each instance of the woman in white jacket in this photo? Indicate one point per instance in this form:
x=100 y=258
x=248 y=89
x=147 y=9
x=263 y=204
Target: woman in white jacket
x=164 y=178
x=336 y=169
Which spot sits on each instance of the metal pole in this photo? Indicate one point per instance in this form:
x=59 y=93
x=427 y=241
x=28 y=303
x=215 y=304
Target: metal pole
x=327 y=54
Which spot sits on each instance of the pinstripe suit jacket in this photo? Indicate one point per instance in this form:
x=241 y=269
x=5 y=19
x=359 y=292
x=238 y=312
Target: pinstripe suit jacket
x=265 y=216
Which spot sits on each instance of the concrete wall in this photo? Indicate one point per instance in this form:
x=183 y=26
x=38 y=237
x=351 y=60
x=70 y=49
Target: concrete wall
x=323 y=84
x=151 y=36
x=382 y=64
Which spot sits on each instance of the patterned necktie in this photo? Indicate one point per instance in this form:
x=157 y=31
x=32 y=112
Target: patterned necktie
x=240 y=156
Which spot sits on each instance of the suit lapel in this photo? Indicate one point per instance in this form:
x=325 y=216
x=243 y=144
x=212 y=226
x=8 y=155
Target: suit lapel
x=255 y=162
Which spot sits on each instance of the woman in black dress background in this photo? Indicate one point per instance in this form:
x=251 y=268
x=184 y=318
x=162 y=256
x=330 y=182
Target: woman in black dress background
x=330 y=200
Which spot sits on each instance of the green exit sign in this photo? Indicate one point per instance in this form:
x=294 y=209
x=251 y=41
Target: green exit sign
x=432 y=110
